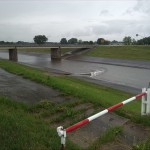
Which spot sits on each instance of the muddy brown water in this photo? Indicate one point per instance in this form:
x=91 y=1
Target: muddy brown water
x=120 y=75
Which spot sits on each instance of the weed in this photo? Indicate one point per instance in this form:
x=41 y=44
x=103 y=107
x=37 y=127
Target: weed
x=145 y=145
x=19 y=129
x=109 y=136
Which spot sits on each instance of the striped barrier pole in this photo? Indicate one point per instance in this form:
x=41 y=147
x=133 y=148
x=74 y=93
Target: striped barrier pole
x=62 y=132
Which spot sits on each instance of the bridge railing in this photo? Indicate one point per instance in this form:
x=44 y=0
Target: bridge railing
x=47 y=45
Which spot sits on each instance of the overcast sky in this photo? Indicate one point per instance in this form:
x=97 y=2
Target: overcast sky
x=21 y=20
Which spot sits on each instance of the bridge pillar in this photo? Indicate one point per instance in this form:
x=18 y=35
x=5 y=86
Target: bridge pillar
x=56 y=54
x=13 y=54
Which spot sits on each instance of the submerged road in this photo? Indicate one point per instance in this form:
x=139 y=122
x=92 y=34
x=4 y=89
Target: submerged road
x=127 y=78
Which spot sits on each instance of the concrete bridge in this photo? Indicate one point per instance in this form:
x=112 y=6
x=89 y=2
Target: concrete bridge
x=33 y=45
x=55 y=49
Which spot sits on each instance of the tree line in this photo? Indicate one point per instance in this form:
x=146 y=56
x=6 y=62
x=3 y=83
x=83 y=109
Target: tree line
x=41 y=39
x=127 y=40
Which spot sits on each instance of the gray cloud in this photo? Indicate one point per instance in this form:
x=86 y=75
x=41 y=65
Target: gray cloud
x=22 y=20
x=104 y=13
x=15 y=32
x=142 y=6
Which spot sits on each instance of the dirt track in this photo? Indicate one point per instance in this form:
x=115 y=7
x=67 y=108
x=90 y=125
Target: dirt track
x=25 y=90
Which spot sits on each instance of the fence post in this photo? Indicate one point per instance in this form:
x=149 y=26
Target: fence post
x=145 y=107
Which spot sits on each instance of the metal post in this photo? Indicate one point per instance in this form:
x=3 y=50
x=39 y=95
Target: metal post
x=145 y=107
x=62 y=133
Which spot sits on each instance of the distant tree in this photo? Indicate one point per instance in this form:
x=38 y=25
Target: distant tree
x=73 y=41
x=114 y=42
x=85 y=42
x=144 y=41
x=134 y=42
x=40 y=39
x=91 y=42
x=100 y=41
x=80 y=41
x=127 y=40
x=2 y=42
x=106 y=42
x=20 y=42
x=63 y=41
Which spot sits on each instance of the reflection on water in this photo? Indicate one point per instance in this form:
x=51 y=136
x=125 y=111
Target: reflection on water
x=4 y=55
x=133 y=77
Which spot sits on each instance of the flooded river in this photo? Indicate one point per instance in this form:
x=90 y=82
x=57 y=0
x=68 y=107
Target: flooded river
x=121 y=75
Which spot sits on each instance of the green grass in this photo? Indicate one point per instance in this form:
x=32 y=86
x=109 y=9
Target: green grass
x=20 y=130
x=122 y=52
x=109 y=136
x=145 y=145
x=46 y=110
x=87 y=92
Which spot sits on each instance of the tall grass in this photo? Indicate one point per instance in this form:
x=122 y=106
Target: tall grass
x=20 y=130
x=145 y=145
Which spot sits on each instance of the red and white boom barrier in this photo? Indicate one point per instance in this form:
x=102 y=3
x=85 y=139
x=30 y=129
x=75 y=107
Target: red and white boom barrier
x=144 y=111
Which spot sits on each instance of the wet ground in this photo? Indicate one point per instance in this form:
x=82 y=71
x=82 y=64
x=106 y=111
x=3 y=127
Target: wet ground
x=27 y=91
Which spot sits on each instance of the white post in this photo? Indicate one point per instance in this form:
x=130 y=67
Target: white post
x=145 y=107
x=62 y=133
x=148 y=101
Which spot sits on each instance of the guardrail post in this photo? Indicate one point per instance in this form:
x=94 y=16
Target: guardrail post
x=145 y=107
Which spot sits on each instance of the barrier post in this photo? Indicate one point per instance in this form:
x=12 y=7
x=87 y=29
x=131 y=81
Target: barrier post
x=145 y=107
x=146 y=100
x=62 y=133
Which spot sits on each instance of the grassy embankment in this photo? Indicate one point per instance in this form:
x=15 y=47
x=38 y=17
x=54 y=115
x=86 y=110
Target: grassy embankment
x=20 y=124
x=20 y=130
x=41 y=50
x=87 y=92
x=122 y=52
